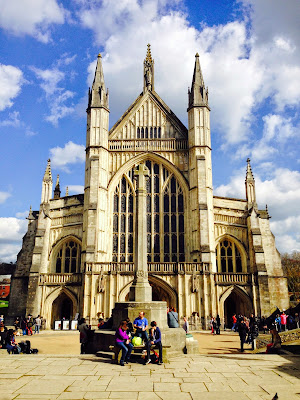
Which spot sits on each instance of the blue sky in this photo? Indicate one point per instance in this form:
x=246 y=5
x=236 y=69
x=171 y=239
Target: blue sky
x=249 y=53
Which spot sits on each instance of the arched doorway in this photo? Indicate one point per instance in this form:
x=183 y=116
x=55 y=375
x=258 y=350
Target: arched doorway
x=161 y=291
x=62 y=308
x=236 y=302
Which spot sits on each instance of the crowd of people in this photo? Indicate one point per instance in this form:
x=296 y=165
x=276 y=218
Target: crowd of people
x=9 y=342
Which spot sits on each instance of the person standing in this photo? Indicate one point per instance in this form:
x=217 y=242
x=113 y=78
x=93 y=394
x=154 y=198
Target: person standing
x=283 y=318
x=173 y=318
x=123 y=342
x=186 y=325
x=234 y=322
x=218 y=324
x=155 y=340
x=23 y=326
x=141 y=326
x=37 y=325
x=84 y=330
x=29 y=325
x=242 y=330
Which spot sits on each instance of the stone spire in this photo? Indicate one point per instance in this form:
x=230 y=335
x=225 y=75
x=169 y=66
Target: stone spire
x=57 y=189
x=30 y=215
x=198 y=94
x=47 y=184
x=67 y=191
x=98 y=95
x=250 y=187
x=148 y=70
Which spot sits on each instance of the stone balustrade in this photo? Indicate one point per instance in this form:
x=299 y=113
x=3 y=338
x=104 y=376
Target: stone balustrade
x=148 y=144
x=231 y=278
x=60 y=279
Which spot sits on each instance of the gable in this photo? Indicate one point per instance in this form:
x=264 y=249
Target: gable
x=148 y=118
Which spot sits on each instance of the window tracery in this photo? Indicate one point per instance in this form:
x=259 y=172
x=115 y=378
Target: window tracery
x=228 y=257
x=164 y=217
x=68 y=258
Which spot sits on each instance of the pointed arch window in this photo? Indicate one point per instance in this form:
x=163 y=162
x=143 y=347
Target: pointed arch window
x=164 y=217
x=123 y=223
x=68 y=258
x=228 y=257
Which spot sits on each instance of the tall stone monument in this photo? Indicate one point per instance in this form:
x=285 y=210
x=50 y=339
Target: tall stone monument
x=140 y=295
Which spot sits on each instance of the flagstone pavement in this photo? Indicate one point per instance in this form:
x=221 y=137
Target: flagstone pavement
x=219 y=376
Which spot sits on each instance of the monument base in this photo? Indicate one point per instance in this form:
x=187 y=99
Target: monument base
x=154 y=311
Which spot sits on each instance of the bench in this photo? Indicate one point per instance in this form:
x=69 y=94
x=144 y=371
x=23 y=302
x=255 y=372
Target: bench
x=138 y=351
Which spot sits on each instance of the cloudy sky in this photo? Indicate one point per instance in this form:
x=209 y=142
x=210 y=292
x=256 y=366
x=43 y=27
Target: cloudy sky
x=249 y=52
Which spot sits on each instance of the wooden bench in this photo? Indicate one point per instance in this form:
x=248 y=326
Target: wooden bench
x=138 y=351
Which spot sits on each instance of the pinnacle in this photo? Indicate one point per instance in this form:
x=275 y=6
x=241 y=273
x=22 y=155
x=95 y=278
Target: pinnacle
x=148 y=55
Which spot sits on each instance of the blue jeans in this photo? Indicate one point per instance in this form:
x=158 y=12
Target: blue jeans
x=126 y=351
x=37 y=329
x=24 y=332
x=142 y=334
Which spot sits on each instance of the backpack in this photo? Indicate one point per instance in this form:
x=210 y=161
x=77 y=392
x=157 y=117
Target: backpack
x=137 y=341
x=154 y=357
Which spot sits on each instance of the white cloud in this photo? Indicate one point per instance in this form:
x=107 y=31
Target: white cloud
x=242 y=67
x=12 y=231
x=76 y=189
x=71 y=153
x=31 y=17
x=56 y=96
x=23 y=214
x=11 y=80
x=12 y=120
x=281 y=192
x=4 y=196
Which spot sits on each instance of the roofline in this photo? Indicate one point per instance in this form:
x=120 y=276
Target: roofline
x=230 y=198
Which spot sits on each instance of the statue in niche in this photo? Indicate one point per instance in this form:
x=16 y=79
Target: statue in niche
x=101 y=282
x=195 y=283
x=148 y=75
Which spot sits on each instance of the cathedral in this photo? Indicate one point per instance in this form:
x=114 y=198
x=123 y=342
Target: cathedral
x=206 y=254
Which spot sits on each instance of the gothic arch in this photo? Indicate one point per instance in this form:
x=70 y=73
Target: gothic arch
x=152 y=157
x=240 y=247
x=156 y=282
x=238 y=295
x=57 y=246
x=50 y=299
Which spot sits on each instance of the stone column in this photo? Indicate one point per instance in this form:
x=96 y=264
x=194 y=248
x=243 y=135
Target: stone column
x=140 y=290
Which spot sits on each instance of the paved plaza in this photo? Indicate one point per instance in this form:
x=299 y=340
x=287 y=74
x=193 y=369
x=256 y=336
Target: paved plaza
x=219 y=376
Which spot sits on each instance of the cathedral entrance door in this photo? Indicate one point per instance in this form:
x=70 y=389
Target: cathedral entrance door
x=62 y=308
x=236 y=303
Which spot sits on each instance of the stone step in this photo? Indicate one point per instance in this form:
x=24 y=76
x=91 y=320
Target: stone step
x=106 y=354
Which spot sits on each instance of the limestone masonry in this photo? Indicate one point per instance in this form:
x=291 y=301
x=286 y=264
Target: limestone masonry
x=206 y=255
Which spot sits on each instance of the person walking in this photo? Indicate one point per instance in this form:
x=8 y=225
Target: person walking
x=123 y=342
x=186 y=325
x=234 y=322
x=173 y=321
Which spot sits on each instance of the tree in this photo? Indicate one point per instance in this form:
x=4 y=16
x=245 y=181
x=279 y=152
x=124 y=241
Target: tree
x=291 y=268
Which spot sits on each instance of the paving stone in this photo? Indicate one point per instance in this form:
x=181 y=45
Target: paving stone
x=219 y=396
x=71 y=395
x=97 y=395
x=217 y=387
x=124 y=395
x=174 y=396
x=147 y=396
x=48 y=387
x=193 y=387
x=166 y=387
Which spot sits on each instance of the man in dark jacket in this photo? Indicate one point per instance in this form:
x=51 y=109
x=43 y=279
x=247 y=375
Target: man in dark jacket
x=155 y=339
x=242 y=329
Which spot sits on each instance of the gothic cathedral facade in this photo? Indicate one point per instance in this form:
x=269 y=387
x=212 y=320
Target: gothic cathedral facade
x=207 y=255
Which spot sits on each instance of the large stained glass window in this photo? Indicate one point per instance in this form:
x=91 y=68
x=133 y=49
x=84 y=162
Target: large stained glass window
x=165 y=217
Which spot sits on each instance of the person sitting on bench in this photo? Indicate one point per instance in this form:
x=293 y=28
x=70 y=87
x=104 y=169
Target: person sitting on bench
x=155 y=340
x=141 y=326
x=122 y=341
